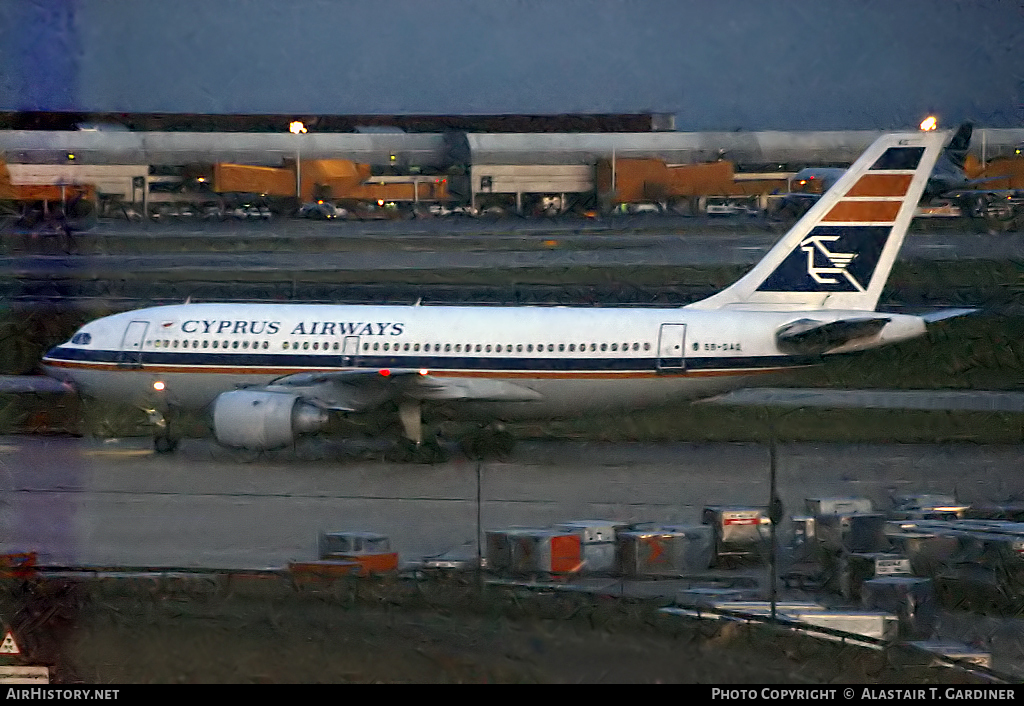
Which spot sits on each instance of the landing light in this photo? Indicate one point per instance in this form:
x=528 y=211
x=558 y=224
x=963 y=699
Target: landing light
x=929 y=123
x=158 y=386
x=424 y=371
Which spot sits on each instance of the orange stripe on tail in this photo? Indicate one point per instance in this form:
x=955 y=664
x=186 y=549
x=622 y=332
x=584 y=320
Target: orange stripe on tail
x=864 y=211
x=881 y=185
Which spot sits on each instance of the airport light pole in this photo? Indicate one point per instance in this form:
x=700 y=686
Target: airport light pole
x=776 y=511
x=297 y=128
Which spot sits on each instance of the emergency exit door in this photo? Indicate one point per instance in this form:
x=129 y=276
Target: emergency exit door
x=671 y=347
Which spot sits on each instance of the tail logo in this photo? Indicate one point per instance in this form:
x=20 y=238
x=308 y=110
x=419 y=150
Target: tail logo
x=839 y=261
x=830 y=259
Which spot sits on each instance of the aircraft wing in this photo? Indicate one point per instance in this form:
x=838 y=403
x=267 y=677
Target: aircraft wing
x=361 y=390
x=810 y=336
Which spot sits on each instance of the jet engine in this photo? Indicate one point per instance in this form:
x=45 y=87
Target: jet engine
x=261 y=421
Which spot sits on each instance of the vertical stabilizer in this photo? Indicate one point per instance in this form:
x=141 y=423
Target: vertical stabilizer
x=839 y=255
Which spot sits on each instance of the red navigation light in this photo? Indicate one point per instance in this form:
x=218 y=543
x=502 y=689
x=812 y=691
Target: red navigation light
x=385 y=372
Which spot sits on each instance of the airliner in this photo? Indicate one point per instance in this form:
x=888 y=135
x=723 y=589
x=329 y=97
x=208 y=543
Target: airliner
x=269 y=373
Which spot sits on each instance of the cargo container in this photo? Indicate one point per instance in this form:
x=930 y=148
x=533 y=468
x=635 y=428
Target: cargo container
x=855 y=569
x=547 y=552
x=851 y=532
x=739 y=532
x=837 y=506
x=927 y=552
x=802 y=544
x=500 y=545
x=659 y=553
x=526 y=551
x=912 y=599
x=598 y=545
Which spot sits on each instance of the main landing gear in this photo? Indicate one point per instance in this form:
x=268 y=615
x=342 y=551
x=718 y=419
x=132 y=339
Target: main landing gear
x=490 y=442
x=163 y=441
x=412 y=447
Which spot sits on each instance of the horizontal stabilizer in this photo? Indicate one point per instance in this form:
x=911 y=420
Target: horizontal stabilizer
x=946 y=314
x=808 y=336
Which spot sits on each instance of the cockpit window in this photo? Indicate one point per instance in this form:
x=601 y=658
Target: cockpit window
x=82 y=338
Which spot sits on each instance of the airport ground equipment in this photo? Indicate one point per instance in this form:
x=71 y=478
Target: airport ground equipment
x=665 y=551
x=837 y=506
x=856 y=568
x=369 y=550
x=911 y=598
x=741 y=532
x=851 y=532
x=598 y=547
x=534 y=551
x=926 y=506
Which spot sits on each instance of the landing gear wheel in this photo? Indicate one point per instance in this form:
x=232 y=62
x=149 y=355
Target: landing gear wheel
x=165 y=444
x=488 y=444
x=406 y=451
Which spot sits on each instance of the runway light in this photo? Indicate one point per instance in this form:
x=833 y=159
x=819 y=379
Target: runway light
x=158 y=386
x=929 y=123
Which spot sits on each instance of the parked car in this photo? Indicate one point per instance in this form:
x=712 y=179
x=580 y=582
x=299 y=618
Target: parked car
x=321 y=210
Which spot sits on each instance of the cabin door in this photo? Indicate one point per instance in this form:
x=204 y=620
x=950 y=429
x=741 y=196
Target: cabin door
x=350 y=351
x=671 y=347
x=131 y=344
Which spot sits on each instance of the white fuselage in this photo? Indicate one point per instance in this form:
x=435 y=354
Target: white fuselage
x=579 y=360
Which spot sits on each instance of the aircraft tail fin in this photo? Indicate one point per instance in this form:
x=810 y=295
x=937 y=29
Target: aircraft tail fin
x=956 y=150
x=840 y=253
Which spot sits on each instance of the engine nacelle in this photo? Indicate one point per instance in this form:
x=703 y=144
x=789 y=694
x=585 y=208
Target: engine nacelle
x=261 y=421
